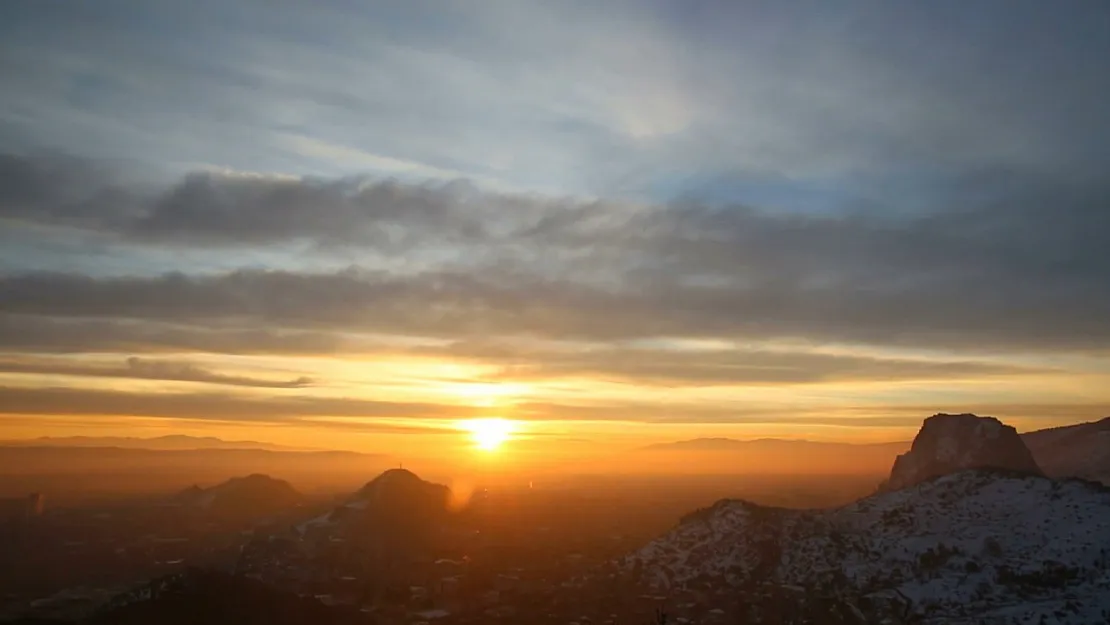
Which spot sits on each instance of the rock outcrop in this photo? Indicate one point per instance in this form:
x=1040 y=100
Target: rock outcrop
x=948 y=443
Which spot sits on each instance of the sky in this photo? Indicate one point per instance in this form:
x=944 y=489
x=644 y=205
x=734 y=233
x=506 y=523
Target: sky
x=359 y=225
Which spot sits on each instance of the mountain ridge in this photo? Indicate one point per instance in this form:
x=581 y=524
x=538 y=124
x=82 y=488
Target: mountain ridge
x=951 y=549
x=949 y=543
x=717 y=443
x=1081 y=449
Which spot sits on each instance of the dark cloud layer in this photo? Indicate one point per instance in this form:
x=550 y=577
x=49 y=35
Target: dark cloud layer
x=214 y=406
x=958 y=313
x=512 y=360
x=24 y=403
x=725 y=367
x=145 y=369
x=1001 y=261
x=53 y=335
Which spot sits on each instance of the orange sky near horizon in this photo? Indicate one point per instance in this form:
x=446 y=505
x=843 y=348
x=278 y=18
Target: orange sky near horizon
x=421 y=406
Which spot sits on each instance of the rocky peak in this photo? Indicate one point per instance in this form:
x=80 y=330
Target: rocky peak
x=948 y=443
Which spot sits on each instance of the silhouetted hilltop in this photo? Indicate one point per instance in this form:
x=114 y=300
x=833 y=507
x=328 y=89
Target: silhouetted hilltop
x=252 y=495
x=396 y=510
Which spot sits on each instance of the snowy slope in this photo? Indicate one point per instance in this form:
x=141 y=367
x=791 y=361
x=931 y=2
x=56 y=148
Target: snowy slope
x=977 y=546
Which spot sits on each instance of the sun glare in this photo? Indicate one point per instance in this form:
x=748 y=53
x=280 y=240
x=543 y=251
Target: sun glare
x=489 y=434
x=485 y=394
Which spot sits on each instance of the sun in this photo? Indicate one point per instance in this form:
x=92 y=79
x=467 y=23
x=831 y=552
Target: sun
x=489 y=434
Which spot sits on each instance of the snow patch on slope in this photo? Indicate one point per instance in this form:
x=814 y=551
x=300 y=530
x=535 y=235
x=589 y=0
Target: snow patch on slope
x=978 y=546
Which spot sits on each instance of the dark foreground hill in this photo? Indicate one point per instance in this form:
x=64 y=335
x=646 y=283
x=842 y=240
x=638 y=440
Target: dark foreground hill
x=197 y=597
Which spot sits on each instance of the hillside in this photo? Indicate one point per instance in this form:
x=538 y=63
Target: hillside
x=972 y=547
x=241 y=497
x=1081 y=450
x=967 y=529
x=204 y=596
x=396 y=509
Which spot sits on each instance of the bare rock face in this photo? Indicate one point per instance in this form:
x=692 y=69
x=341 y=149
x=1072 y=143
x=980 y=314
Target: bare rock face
x=948 y=443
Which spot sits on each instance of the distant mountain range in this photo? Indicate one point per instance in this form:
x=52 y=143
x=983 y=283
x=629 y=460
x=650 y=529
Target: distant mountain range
x=768 y=456
x=69 y=473
x=732 y=444
x=168 y=442
x=968 y=530
x=1080 y=450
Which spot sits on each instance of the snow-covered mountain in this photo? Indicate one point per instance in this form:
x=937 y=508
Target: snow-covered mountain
x=976 y=546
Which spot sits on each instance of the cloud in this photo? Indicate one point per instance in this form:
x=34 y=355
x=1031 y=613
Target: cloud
x=142 y=368
x=24 y=403
x=997 y=302
x=51 y=335
x=884 y=177
x=879 y=415
x=726 y=367
x=21 y=405
x=646 y=91
x=214 y=406
x=34 y=421
x=219 y=208
x=510 y=360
